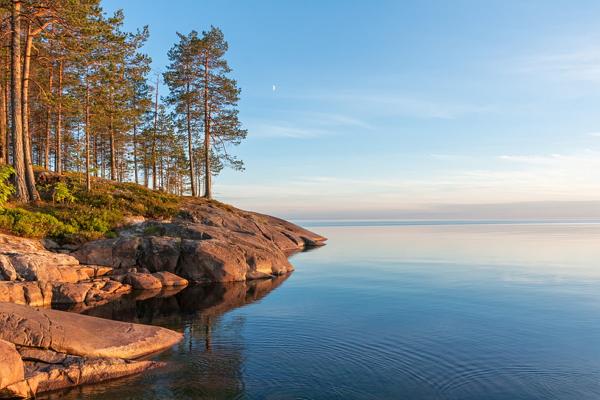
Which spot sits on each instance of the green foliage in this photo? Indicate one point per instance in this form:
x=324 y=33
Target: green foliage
x=6 y=188
x=33 y=224
x=62 y=194
x=70 y=213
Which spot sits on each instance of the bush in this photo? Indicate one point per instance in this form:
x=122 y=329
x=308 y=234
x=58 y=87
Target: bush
x=33 y=224
x=62 y=194
x=6 y=188
x=69 y=213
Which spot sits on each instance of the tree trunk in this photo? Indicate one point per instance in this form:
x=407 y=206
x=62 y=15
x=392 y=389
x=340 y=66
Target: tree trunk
x=88 y=181
x=146 y=169
x=48 y=118
x=190 y=145
x=58 y=152
x=21 y=193
x=154 y=136
x=95 y=156
x=113 y=161
x=135 y=151
x=7 y=108
x=3 y=128
x=207 y=174
x=113 y=156
x=27 y=153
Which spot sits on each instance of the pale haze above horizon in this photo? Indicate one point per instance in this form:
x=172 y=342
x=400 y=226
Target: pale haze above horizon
x=412 y=109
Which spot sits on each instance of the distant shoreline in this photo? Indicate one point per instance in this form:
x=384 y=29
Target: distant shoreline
x=435 y=222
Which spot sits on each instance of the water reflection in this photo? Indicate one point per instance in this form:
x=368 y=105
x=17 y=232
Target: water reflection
x=387 y=312
x=202 y=366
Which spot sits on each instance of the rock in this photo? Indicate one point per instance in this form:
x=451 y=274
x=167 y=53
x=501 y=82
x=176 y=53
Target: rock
x=27 y=260
x=74 y=371
x=37 y=371
x=80 y=335
x=12 y=370
x=35 y=294
x=98 y=252
x=118 y=253
x=7 y=271
x=125 y=252
x=70 y=247
x=210 y=243
x=160 y=253
x=211 y=261
x=142 y=281
x=50 y=244
x=70 y=293
x=169 y=280
x=40 y=294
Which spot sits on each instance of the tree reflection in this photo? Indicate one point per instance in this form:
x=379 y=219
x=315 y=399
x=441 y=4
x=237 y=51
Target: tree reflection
x=208 y=363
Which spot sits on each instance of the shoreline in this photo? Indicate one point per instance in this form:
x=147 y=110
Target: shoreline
x=209 y=243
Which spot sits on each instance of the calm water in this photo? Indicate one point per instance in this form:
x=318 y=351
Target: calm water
x=489 y=311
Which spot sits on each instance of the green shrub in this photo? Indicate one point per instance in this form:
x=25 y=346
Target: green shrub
x=33 y=224
x=71 y=213
x=62 y=194
x=6 y=188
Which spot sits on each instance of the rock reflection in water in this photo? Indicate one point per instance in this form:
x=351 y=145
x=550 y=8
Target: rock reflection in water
x=196 y=368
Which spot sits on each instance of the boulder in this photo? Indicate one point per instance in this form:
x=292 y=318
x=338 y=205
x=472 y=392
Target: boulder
x=210 y=242
x=118 y=253
x=211 y=261
x=11 y=366
x=27 y=260
x=32 y=293
x=68 y=371
x=159 y=253
x=168 y=279
x=39 y=294
x=142 y=281
x=80 y=335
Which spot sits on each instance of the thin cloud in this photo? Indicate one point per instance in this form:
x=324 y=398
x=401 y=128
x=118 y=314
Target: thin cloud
x=582 y=64
x=389 y=104
x=510 y=179
x=286 y=131
x=307 y=125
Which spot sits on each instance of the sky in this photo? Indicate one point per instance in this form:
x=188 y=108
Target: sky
x=405 y=109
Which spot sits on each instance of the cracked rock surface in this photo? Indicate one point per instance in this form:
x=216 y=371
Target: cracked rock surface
x=210 y=243
x=43 y=350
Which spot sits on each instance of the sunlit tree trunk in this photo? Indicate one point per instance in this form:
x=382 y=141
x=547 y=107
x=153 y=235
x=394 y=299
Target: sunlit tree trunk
x=7 y=108
x=21 y=192
x=135 y=150
x=113 y=161
x=207 y=174
x=155 y=136
x=27 y=153
x=48 y=118
x=190 y=145
x=88 y=181
x=3 y=128
x=58 y=151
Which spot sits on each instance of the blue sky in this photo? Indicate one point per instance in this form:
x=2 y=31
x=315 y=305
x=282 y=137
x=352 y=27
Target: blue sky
x=399 y=109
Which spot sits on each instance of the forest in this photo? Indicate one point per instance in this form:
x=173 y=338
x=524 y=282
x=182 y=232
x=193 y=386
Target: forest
x=78 y=96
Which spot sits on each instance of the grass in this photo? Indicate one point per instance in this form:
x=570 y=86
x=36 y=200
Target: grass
x=81 y=215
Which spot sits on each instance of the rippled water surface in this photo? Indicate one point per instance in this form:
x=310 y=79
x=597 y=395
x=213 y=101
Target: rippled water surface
x=391 y=311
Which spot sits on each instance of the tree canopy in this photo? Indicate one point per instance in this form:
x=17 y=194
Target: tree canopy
x=77 y=94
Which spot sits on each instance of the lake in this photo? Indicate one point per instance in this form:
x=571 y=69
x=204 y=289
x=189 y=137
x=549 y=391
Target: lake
x=388 y=311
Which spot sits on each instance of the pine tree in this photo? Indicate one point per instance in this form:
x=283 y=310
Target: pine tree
x=207 y=98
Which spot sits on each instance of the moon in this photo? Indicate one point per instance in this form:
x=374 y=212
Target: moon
x=274 y=88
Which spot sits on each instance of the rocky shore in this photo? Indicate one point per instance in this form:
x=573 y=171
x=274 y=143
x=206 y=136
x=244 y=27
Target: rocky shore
x=43 y=349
